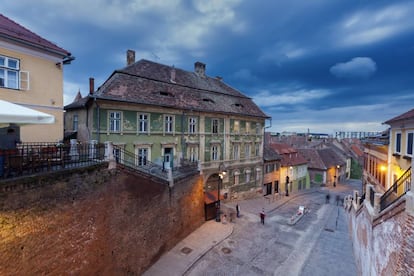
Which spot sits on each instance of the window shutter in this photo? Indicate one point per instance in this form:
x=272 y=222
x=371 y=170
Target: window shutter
x=24 y=80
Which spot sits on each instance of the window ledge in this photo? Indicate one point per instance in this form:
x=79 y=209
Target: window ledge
x=396 y=155
x=407 y=157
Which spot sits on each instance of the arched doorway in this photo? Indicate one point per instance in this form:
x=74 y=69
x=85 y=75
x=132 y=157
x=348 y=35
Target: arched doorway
x=211 y=196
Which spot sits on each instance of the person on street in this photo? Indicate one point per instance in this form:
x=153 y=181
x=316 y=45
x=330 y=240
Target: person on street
x=328 y=197
x=262 y=216
x=238 y=210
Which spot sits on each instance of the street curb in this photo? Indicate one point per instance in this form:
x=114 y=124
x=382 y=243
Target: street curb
x=202 y=254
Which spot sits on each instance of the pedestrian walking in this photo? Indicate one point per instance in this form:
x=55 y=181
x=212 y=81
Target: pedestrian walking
x=238 y=210
x=328 y=197
x=262 y=216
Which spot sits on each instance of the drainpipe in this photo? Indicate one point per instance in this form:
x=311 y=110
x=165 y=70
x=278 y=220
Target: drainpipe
x=263 y=149
x=183 y=147
x=99 y=121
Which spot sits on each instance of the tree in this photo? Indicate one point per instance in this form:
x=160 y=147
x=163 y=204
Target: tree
x=356 y=169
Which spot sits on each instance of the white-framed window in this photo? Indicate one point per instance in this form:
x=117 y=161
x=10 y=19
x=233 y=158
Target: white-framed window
x=410 y=136
x=118 y=151
x=193 y=153
x=246 y=150
x=215 y=126
x=247 y=173
x=258 y=174
x=236 y=152
x=143 y=123
x=236 y=126
x=215 y=152
x=258 y=128
x=269 y=168
x=192 y=125
x=236 y=178
x=115 y=119
x=9 y=72
x=168 y=123
x=247 y=127
x=397 y=142
x=257 y=149
x=142 y=156
x=75 y=122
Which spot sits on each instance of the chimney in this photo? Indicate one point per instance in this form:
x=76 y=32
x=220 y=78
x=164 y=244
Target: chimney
x=172 y=77
x=130 y=57
x=91 y=85
x=200 y=69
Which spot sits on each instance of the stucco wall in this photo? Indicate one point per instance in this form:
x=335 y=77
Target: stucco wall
x=45 y=93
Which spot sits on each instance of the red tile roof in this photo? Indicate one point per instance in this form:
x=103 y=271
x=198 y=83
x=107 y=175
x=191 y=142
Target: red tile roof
x=357 y=150
x=405 y=116
x=149 y=83
x=270 y=155
x=330 y=158
x=313 y=158
x=290 y=156
x=15 y=32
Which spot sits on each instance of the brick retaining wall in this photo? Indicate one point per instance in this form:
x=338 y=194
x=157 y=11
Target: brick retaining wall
x=383 y=244
x=93 y=222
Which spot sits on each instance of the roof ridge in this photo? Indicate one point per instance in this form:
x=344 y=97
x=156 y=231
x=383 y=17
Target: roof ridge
x=122 y=71
x=29 y=34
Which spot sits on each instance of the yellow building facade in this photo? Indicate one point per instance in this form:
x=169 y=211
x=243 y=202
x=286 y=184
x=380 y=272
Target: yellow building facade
x=31 y=74
x=400 y=151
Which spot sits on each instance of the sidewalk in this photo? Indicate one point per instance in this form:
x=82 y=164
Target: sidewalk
x=179 y=259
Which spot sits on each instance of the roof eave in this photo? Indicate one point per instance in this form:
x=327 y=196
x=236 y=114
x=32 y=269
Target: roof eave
x=61 y=53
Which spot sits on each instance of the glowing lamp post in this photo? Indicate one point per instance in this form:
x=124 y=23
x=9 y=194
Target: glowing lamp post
x=336 y=172
x=221 y=174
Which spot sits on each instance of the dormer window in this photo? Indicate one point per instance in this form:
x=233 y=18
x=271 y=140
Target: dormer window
x=238 y=105
x=208 y=100
x=166 y=94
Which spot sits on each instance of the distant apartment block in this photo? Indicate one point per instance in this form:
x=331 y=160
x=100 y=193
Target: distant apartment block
x=355 y=134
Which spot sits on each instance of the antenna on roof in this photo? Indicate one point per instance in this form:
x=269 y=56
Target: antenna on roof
x=172 y=77
x=155 y=56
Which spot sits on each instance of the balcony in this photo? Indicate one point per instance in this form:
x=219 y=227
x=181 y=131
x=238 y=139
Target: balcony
x=36 y=158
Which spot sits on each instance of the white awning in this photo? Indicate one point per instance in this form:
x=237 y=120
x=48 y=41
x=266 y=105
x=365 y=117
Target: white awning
x=11 y=113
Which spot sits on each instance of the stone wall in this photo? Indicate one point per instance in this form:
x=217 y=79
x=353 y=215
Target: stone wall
x=383 y=243
x=93 y=222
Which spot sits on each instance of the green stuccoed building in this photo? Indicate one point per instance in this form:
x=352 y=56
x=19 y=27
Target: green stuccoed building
x=170 y=116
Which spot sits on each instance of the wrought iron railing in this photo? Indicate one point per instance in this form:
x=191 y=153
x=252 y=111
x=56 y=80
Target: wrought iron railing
x=362 y=198
x=371 y=195
x=401 y=186
x=134 y=162
x=143 y=165
x=33 y=158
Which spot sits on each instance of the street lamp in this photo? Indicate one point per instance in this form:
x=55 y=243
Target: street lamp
x=336 y=172
x=221 y=174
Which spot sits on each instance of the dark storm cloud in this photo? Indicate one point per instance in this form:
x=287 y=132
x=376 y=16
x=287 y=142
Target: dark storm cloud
x=325 y=65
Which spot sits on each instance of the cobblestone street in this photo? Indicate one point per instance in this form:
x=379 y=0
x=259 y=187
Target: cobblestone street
x=318 y=244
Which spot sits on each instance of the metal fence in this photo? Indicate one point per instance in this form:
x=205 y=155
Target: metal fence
x=371 y=196
x=142 y=164
x=32 y=158
x=397 y=190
